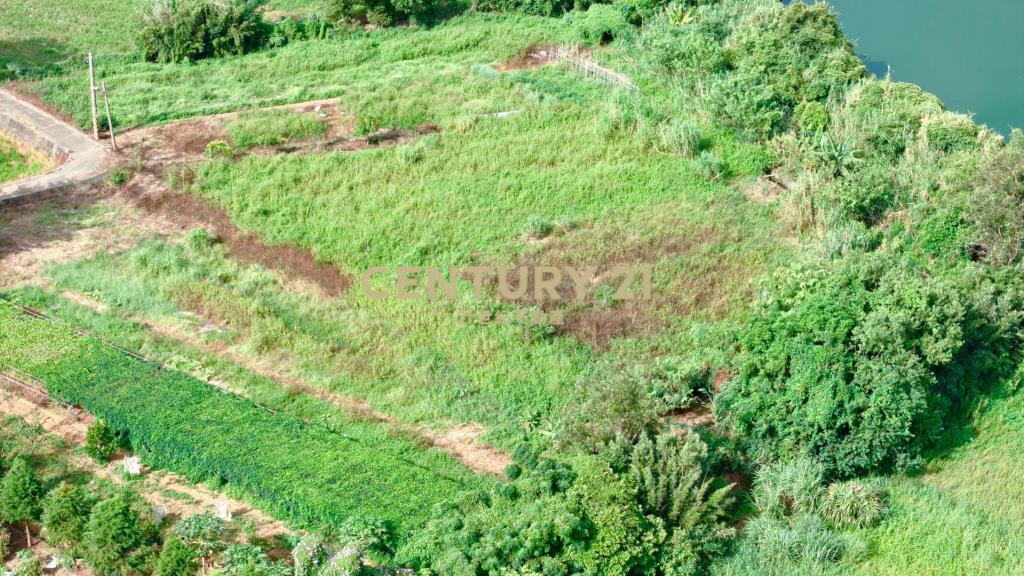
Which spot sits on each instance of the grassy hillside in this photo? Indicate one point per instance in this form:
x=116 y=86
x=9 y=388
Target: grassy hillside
x=836 y=275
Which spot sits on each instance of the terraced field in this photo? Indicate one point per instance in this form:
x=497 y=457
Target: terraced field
x=824 y=379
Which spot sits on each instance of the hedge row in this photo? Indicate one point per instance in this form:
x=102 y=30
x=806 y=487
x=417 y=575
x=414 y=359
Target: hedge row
x=308 y=474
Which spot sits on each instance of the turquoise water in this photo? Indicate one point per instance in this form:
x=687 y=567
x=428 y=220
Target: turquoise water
x=969 y=54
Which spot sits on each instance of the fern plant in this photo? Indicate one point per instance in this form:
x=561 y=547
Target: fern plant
x=671 y=481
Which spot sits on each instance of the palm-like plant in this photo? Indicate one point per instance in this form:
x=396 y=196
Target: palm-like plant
x=836 y=155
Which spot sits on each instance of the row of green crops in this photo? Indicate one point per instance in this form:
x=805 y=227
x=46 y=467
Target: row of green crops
x=308 y=474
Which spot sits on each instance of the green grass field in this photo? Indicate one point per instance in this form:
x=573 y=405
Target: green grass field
x=963 y=515
x=37 y=37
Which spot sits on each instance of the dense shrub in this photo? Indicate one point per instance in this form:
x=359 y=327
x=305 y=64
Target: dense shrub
x=754 y=66
x=176 y=559
x=534 y=7
x=384 y=12
x=184 y=30
x=792 y=532
x=251 y=560
x=20 y=494
x=996 y=205
x=649 y=508
x=860 y=363
x=614 y=403
x=64 y=515
x=117 y=539
x=291 y=29
x=600 y=24
x=681 y=50
x=866 y=195
x=811 y=117
x=203 y=533
x=951 y=133
x=100 y=441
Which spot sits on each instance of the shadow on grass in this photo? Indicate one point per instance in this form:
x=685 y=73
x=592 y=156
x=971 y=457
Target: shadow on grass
x=31 y=58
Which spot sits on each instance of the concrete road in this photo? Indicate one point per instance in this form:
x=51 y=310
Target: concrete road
x=83 y=158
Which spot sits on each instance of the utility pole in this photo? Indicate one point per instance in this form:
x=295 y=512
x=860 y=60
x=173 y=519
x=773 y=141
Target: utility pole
x=92 y=97
x=110 y=121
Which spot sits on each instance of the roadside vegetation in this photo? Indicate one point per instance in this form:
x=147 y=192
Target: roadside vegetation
x=825 y=382
x=17 y=161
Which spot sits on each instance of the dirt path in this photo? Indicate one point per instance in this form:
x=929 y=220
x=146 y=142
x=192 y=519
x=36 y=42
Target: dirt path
x=80 y=158
x=160 y=488
x=27 y=246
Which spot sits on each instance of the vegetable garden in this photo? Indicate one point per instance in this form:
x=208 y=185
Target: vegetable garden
x=305 y=473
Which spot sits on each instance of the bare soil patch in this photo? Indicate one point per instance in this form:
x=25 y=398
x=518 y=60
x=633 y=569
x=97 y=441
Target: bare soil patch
x=533 y=57
x=73 y=227
x=763 y=189
x=183 y=139
x=598 y=323
x=151 y=194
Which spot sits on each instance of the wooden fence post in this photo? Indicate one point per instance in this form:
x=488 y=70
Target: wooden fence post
x=92 y=97
x=110 y=121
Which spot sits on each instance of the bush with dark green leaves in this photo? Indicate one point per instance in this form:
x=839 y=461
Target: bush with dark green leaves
x=117 y=539
x=204 y=533
x=385 y=12
x=100 y=441
x=600 y=24
x=20 y=493
x=187 y=30
x=64 y=516
x=250 y=560
x=861 y=363
x=650 y=508
x=176 y=559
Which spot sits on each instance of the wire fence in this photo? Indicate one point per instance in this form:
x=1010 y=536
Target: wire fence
x=575 y=58
x=38 y=386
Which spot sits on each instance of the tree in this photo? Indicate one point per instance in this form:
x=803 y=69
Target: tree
x=176 y=559
x=113 y=536
x=19 y=496
x=100 y=441
x=64 y=516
